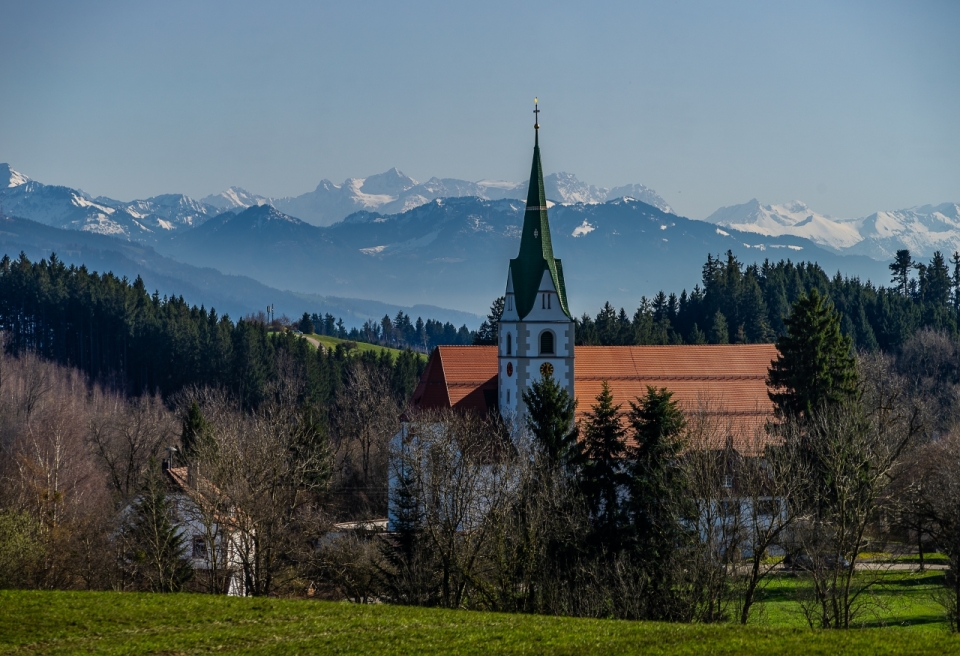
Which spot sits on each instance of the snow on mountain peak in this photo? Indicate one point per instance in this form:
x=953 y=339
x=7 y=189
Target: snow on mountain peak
x=389 y=183
x=793 y=218
x=10 y=178
x=233 y=198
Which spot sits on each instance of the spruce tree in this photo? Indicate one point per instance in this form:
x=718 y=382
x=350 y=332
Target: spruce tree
x=658 y=502
x=305 y=324
x=487 y=333
x=550 y=417
x=195 y=432
x=406 y=374
x=720 y=331
x=407 y=575
x=900 y=270
x=815 y=366
x=603 y=477
x=156 y=549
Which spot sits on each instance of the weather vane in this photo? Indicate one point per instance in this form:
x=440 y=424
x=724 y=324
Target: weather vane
x=536 y=115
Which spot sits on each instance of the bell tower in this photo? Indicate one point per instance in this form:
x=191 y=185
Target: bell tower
x=535 y=336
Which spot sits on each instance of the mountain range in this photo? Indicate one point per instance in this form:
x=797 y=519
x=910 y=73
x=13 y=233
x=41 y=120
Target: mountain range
x=236 y=295
x=453 y=252
x=921 y=230
x=446 y=242
x=393 y=192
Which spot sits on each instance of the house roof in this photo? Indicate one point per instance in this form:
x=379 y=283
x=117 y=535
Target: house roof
x=459 y=377
x=725 y=382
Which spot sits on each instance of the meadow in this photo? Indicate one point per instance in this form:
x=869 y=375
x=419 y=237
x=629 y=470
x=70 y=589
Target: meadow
x=904 y=620
x=362 y=347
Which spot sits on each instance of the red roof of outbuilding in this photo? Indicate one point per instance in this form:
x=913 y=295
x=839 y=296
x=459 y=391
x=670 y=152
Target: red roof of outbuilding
x=460 y=377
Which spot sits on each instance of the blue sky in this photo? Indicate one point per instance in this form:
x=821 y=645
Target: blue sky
x=849 y=106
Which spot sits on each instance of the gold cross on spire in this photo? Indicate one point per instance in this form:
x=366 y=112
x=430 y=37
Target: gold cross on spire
x=536 y=115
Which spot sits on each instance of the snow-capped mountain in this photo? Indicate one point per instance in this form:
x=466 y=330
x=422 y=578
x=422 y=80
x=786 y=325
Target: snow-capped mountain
x=921 y=230
x=10 y=178
x=234 y=198
x=788 y=219
x=451 y=251
x=393 y=191
x=63 y=207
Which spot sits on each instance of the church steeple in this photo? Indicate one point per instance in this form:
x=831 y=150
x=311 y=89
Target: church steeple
x=536 y=248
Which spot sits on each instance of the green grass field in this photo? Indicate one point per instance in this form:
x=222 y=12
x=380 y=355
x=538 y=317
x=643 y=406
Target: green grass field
x=899 y=599
x=125 y=623
x=331 y=343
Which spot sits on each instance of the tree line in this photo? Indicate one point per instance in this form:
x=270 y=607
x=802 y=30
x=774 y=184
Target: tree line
x=737 y=304
x=116 y=333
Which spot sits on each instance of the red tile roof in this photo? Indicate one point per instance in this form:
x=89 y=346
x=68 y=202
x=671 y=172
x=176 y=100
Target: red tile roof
x=724 y=381
x=460 y=377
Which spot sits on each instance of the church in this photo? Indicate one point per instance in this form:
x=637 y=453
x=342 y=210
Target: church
x=536 y=339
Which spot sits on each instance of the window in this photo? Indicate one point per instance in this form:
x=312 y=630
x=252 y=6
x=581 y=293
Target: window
x=510 y=302
x=509 y=344
x=728 y=481
x=508 y=397
x=546 y=343
x=549 y=295
x=543 y=301
x=199 y=547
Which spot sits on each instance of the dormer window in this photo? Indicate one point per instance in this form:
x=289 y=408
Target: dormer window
x=546 y=343
x=545 y=301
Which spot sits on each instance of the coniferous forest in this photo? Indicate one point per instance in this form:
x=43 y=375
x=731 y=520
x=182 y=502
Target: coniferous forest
x=739 y=304
x=117 y=333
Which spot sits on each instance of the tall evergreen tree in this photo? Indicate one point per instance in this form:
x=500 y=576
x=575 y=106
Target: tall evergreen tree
x=719 y=331
x=815 y=366
x=603 y=478
x=900 y=270
x=155 y=549
x=487 y=334
x=550 y=417
x=657 y=505
x=407 y=575
x=194 y=433
x=305 y=325
x=937 y=290
x=955 y=281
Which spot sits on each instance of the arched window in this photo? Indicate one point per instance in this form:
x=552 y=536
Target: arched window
x=509 y=344
x=546 y=343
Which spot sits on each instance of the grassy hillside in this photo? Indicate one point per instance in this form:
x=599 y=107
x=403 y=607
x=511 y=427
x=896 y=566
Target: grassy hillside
x=331 y=342
x=114 y=623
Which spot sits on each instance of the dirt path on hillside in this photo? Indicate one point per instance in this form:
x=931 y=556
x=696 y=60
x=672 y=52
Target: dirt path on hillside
x=315 y=342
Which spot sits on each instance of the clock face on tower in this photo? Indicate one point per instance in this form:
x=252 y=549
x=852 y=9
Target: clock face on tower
x=546 y=369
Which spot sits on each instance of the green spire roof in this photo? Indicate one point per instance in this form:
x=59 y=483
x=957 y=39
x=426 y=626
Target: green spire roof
x=536 y=249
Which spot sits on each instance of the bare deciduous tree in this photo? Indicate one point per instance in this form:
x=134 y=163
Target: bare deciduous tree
x=366 y=418
x=857 y=449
